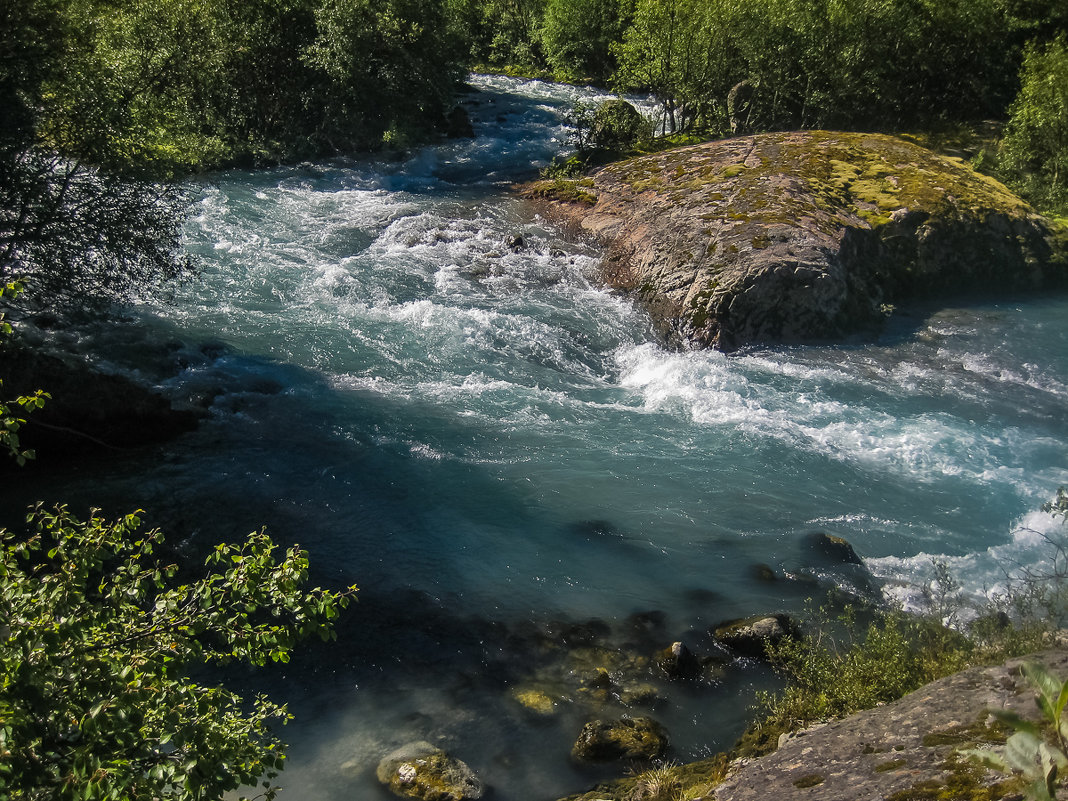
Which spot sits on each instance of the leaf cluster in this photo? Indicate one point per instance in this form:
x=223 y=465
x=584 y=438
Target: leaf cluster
x=10 y=421
x=97 y=645
x=1034 y=152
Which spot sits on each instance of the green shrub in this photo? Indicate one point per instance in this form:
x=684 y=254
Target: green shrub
x=1034 y=153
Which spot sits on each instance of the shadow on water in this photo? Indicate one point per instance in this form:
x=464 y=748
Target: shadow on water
x=343 y=474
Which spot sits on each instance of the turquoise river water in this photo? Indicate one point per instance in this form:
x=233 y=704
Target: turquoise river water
x=501 y=455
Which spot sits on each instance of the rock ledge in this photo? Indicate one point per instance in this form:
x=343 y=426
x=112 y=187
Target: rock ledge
x=803 y=236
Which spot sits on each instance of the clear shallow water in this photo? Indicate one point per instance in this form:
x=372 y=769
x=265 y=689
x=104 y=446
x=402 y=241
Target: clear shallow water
x=417 y=379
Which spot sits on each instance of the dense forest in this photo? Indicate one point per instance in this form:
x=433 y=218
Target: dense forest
x=107 y=100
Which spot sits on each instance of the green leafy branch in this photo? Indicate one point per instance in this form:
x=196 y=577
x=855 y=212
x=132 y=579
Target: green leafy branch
x=96 y=642
x=10 y=422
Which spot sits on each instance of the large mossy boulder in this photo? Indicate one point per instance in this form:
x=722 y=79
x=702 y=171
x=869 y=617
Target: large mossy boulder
x=421 y=770
x=806 y=236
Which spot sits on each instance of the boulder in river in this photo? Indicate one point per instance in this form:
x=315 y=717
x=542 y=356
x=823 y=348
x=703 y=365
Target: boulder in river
x=751 y=636
x=627 y=738
x=678 y=662
x=803 y=236
x=88 y=412
x=832 y=548
x=421 y=770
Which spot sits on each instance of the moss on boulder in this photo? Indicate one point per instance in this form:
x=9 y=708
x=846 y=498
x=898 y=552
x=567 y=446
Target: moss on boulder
x=627 y=738
x=806 y=236
x=423 y=771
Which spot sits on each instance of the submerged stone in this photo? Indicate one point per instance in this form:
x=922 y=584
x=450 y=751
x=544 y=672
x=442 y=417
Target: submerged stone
x=626 y=738
x=806 y=236
x=421 y=770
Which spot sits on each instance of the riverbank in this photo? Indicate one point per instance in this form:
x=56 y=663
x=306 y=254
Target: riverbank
x=909 y=750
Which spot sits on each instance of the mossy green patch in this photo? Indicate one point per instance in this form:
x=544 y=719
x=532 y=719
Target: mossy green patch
x=893 y=764
x=809 y=780
x=563 y=190
x=962 y=781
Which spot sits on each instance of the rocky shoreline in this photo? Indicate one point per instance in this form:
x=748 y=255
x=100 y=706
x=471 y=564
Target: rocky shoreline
x=802 y=236
x=909 y=750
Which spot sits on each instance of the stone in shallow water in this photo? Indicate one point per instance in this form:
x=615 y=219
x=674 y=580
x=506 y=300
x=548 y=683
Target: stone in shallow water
x=751 y=636
x=678 y=662
x=534 y=700
x=626 y=738
x=421 y=770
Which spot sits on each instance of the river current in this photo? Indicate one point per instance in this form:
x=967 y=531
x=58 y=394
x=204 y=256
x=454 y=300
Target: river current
x=417 y=378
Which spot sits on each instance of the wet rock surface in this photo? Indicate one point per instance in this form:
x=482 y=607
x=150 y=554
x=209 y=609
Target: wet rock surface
x=803 y=236
x=624 y=739
x=421 y=770
x=751 y=636
x=89 y=412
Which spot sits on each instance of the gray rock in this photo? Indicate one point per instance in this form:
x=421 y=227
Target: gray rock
x=901 y=750
x=421 y=770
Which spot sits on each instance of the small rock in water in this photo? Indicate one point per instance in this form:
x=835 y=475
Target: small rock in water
x=836 y=549
x=764 y=573
x=751 y=636
x=678 y=662
x=626 y=738
x=534 y=700
x=421 y=770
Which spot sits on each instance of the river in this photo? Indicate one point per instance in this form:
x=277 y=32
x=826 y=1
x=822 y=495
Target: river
x=422 y=382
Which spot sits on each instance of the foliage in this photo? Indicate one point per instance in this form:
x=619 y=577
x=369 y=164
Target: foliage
x=1034 y=152
x=827 y=63
x=390 y=68
x=97 y=643
x=75 y=234
x=863 y=664
x=9 y=422
x=1029 y=751
x=580 y=37
x=501 y=33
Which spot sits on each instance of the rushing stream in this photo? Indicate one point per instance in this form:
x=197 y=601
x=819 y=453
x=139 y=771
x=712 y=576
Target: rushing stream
x=419 y=380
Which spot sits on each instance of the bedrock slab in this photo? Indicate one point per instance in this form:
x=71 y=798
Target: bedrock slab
x=803 y=236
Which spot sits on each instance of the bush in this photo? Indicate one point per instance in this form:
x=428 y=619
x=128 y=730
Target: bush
x=97 y=643
x=1034 y=152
